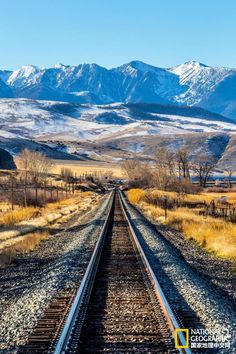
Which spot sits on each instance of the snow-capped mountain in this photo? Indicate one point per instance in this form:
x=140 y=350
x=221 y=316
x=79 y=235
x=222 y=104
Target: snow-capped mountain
x=191 y=83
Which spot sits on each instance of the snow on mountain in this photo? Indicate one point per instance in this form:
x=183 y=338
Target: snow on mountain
x=191 y=83
x=140 y=82
x=111 y=132
x=30 y=119
x=4 y=75
x=25 y=76
x=200 y=80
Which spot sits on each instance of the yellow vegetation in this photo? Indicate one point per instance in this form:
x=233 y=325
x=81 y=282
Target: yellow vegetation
x=15 y=216
x=216 y=235
x=136 y=195
x=201 y=197
x=27 y=244
x=30 y=242
x=80 y=167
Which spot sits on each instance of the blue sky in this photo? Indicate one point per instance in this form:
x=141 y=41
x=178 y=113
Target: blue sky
x=112 y=32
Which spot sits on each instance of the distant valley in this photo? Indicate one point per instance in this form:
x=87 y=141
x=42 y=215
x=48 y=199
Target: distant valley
x=113 y=132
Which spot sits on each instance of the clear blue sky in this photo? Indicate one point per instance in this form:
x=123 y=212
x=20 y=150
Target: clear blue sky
x=113 y=32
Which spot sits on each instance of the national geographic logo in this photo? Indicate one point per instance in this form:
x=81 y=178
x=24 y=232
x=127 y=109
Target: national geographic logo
x=201 y=338
x=181 y=338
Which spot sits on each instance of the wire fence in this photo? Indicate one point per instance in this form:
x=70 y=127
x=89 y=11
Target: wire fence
x=226 y=211
x=15 y=192
x=217 y=209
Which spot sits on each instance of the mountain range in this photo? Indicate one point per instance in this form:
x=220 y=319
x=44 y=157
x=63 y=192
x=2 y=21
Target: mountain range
x=188 y=84
x=113 y=132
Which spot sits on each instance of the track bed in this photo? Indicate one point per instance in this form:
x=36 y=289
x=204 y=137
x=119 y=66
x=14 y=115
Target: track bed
x=122 y=314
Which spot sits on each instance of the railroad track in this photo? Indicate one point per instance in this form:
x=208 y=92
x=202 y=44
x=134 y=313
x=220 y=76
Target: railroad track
x=119 y=306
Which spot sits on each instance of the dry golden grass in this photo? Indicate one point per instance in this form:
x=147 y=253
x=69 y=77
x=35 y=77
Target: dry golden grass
x=201 y=197
x=4 y=207
x=80 y=167
x=216 y=235
x=136 y=195
x=27 y=244
x=62 y=203
x=15 y=216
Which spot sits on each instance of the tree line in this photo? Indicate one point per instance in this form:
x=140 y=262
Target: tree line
x=172 y=170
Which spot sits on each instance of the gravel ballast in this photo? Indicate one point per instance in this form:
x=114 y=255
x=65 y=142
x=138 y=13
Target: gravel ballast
x=191 y=278
x=28 y=285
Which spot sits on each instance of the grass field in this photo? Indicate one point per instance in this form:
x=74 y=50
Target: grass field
x=80 y=167
x=12 y=217
x=215 y=235
x=11 y=245
x=201 y=197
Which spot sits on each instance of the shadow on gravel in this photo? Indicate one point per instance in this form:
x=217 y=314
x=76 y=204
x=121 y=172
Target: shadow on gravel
x=83 y=226
x=180 y=307
x=175 y=251
x=35 y=264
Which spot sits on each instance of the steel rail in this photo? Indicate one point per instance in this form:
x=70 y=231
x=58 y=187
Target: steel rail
x=171 y=318
x=83 y=294
x=85 y=287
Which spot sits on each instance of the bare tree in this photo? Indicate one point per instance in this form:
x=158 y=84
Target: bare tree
x=203 y=166
x=160 y=178
x=229 y=173
x=183 y=163
x=66 y=174
x=165 y=159
x=131 y=168
x=138 y=173
x=25 y=158
x=35 y=167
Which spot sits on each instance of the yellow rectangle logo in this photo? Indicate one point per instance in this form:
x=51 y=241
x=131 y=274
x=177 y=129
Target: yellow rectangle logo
x=185 y=334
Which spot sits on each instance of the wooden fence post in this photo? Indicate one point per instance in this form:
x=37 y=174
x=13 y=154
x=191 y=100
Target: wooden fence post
x=45 y=191
x=12 y=192
x=36 y=191
x=51 y=189
x=25 y=190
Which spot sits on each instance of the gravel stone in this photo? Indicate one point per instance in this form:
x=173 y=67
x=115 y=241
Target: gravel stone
x=28 y=285
x=189 y=276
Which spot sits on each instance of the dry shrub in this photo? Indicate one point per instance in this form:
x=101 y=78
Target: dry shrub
x=30 y=242
x=15 y=216
x=154 y=212
x=221 y=190
x=31 y=198
x=216 y=235
x=183 y=186
x=135 y=195
x=151 y=197
x=65 y=202
x=27 y=244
